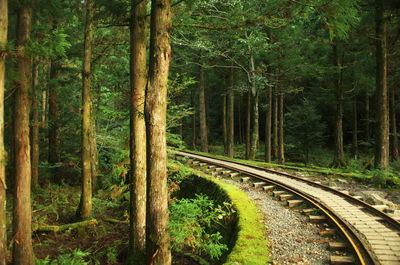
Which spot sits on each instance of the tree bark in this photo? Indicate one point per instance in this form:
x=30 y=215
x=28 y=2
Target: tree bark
x=248 y=124
x=85 y=208
x=157 y=236
x=355 y=133
x=268 y=118
x=53 y=121
x=231 y=116
x=3 y=186
x=367 y=118
x=224 y=124
x=382 y=126
x=22 y=231
x=275 y=124
x=239 y=119
x=338 y=160
x=137 y=225
x=281 y=143
x=202 y=107
x=35 y=125
x=255 y=114
x=393 y=120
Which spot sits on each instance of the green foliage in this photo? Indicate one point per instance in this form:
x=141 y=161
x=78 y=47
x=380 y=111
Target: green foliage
x=75 y=257
x=304 y=128
x=190 y=221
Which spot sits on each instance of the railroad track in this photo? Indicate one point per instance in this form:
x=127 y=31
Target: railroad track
x=372 y=236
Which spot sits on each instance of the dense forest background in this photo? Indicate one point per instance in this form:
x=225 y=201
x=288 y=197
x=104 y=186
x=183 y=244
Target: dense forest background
x=291 y=81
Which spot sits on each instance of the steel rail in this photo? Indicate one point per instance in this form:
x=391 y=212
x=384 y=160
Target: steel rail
x=364 y=256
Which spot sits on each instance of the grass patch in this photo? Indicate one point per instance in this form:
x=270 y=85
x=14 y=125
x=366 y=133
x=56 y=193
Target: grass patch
x=251 y=245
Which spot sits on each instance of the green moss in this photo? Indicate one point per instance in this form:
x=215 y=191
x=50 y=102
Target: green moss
x=251 y=245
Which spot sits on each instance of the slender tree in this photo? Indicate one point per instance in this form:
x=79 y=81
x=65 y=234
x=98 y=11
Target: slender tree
x=382 y=108
x=281 y=143
x=224 y=124
x=35 y=124
x=202 y=107
x=3 y=186
x=22 y=213
x=53 y=120
x=248 y=125
x=268 y=119
x=338 y=160
x=137 y=236
x=275 y=123
x=393 y=119
x=157 y=235
x=255 y=114
x=230 y=116
x=85 y=208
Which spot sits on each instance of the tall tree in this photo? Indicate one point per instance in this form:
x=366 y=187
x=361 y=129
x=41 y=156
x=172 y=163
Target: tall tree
x=382 y=108
x=157 y=236
x=35 y=124
x=203 y=113
x=137 y=236
x=268 y=127
x=393 y=119
x=231 y=115
x=3 y=187
x=85 y=208
x=255 y=115
x=338 y=160
x=53 y=120
x=22 y=231
x=281 y=143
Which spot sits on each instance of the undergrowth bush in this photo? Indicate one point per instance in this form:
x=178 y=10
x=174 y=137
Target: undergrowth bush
x=191 y=221
x=76 y=257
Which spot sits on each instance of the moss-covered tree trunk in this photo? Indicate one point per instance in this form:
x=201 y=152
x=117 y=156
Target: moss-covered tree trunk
x=3 y=187
x=22 y=213
x=35 y=125
x=268 y=125
x=239 y=121
x=157 y=236
x=137 y=228
x=367 y=118
x=85 y=207
x=203 y=114
x=338 y=159
x=231 y=115
x=382 y=108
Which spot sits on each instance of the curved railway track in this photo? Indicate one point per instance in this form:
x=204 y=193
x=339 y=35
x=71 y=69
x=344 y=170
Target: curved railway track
x=373 y=236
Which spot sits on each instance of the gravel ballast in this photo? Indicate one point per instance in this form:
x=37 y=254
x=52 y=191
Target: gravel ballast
x=293 y=240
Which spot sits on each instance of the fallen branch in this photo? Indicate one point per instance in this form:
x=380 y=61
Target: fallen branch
x=115 y=221
x=61 y=228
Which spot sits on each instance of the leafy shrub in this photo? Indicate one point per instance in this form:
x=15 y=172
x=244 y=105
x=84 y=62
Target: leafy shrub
x=191 y=221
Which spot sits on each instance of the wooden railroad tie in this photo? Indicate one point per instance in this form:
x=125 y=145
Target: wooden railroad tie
x=268 y=188
x=234 y=174
x=245 y=179
x=308 y=211
x=258 y=184
x=294 y=203
x=211 y=167
x=317 y=218
x=340 y=260
x=337 y=246
x=285 y=197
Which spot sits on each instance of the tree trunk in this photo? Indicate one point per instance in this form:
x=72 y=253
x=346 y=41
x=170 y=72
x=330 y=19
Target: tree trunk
x=239 y=119
x=93 y=150
x=53 y=121
x=22 y=231
x=248 y=124
x=393 y=119
x=85 y=208
x=157 y=235
x=231 y=116
x=3 y=187
x=281 y=143
x=275 y=124
x=268 y=118
x=224 y=122
x=202 y=107
x=35 y=125
x=137 y=235
x=355 y=133
x=255 y=115
x=367 y=118
x=338 y=160
x=382 y=125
